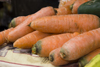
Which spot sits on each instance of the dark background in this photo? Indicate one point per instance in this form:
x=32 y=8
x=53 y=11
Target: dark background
x=13 y=8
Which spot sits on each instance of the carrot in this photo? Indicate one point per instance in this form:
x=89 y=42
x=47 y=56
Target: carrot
x=81 y=45
x=18 y=20
x=64 y=10
x=24 y=29
x=55 y=58
x=86 y=59
x=29 y=40
x=76 y=5
x=66 y=2
x=4 y=36
x=44 y=46
x=66 y=23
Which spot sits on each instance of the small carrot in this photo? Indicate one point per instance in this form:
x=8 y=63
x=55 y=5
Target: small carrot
x=29 y=40
x=55 y=58
x=66 y=2
x=24 y=29
x=18 y=20
x=66 y=23
x=44 y=46
x=64 y=10
x=4 y=36
x=76 y=5
x=86 y=59
x=81 y=45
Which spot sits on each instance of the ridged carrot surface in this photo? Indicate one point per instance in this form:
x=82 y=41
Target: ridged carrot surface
x=81 y=45
x=24 y=29
x=44 y=46
x=27 y=41
x=66 y=23
x=77 y=4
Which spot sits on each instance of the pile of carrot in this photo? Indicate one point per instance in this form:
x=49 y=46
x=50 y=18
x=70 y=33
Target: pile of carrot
x=62 y=35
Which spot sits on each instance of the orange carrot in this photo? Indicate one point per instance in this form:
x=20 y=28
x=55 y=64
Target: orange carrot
x=81 y=45
x=66 y=23
x=4 y=36
x=64 y=10
x=18 y=20
x=44 y=46
x=29 y=40
x=86 y=59
x=55 y=58
x=24 y=29
x=66 y=2
x=76 y=5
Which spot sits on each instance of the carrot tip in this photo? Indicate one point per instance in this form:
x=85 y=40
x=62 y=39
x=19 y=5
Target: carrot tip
x=37 y=47
x=12 y=24
x=55 y=11
x=51 y=58
x=62 y=54
x=71 y=6
x=29 y=24
x=34 y=49
x=82 y=62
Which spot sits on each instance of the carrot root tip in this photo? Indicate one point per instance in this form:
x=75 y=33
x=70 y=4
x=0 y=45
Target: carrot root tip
x=71 y=6
x=38 y=47
x=55 y=11
x=12 y=24
x=29 y=24
x=82 y=62
x=34 y=50
x=62 y=54
x=51 y=58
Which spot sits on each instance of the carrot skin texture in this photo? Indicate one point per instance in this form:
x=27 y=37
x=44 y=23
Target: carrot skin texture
x=18 y=20
x=66 y=23
x=47 y=44
x=4 y=36
x=77 y=4
x=27 y=41
x=81 y=45
x=86 y=59
x=24 y=29
x=55 y=58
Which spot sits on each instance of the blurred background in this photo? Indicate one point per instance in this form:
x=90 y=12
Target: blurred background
x=13 y=8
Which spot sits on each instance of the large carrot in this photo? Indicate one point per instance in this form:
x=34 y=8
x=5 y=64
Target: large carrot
x=64 y=10
x=81 y=45
x=44 y=46
x=4 y=36
x=18 y=20
x=86 y=59
x=29 y=40
x=55 y=58
x=66 y=23
x=75 y=5
x=66 y=2
x=24 y=29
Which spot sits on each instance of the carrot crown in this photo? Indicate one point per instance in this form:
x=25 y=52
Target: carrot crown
x=71 y=6
x=63 y=55
x=36 y=49
x=12 y=24
x=51 y=57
